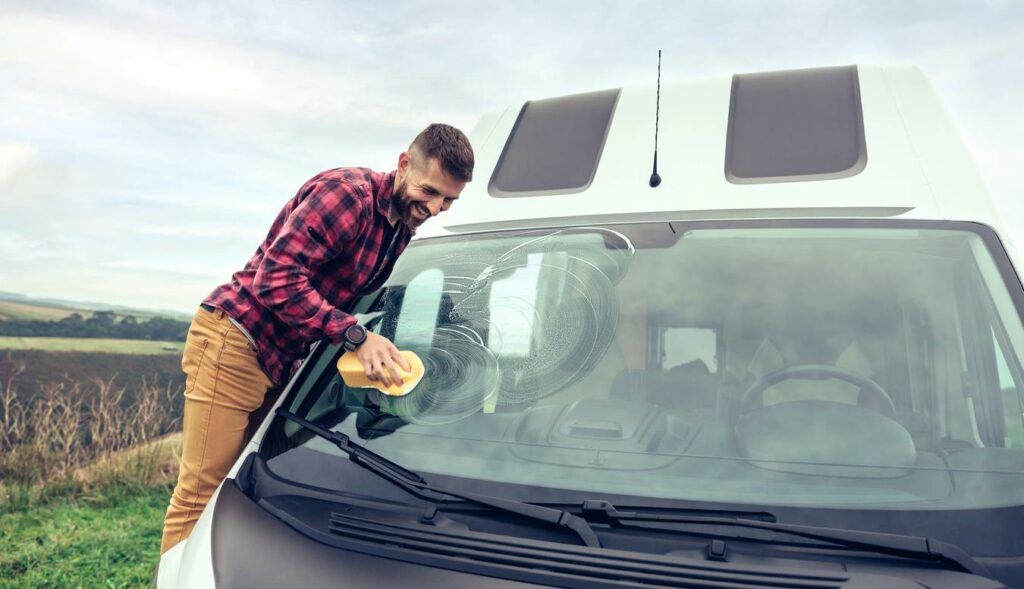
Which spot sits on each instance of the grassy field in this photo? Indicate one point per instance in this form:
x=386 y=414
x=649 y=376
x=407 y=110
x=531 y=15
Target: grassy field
x=87 y=464
x=113 y=541
x=71 y=344
x=104 y=534
x=28 y=311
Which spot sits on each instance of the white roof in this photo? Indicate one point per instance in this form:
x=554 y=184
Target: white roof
x=917 y=166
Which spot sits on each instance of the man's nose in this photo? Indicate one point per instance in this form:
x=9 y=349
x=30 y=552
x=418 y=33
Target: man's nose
x=434 y=207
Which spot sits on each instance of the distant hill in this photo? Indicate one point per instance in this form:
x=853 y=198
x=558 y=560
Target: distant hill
x=19 y=306
x=27 y=311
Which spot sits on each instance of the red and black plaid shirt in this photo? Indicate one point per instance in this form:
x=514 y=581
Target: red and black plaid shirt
x=328 y=246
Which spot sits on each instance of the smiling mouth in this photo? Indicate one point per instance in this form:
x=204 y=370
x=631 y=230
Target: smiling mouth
x=423 y=211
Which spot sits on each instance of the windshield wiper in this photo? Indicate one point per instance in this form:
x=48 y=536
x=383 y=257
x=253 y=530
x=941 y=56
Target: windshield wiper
x=914 y=547
x=416 y=485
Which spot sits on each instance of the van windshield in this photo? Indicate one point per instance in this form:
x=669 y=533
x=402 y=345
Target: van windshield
x=858 y=365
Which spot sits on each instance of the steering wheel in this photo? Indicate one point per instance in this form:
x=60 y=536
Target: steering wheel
x=756 y=391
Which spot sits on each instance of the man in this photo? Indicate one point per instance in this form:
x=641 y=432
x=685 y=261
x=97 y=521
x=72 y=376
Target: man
x=336 y=239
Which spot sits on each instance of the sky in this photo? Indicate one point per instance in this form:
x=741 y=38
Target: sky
x=145 y=147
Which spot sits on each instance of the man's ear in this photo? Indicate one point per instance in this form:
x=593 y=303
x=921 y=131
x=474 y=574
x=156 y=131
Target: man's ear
x=404 y=165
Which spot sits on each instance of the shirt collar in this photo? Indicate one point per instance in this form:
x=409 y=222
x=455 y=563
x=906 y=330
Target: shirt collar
x=384 y=192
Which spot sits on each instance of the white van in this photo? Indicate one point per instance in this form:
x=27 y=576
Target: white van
x=795 y=362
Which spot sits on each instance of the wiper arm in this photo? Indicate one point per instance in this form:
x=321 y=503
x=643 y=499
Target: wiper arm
x=416 y=485
x=915 y=547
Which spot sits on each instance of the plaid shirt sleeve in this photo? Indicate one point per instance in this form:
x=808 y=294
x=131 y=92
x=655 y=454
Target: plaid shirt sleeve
x=316 y=231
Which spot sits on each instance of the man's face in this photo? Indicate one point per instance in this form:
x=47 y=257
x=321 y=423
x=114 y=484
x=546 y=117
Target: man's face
x=422 y=189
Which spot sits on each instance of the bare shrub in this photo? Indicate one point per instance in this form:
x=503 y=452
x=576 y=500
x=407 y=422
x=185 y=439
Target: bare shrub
x=67 y=441
x=12 y=411
x=61 y=443
x=149 y=415
x=149 y=418
x=42 y=425
x=106 y=431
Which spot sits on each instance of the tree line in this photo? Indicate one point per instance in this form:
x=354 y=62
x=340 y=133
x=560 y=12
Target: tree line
x=100 y=324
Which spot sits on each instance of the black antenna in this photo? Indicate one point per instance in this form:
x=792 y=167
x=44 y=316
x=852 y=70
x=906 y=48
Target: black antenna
x=655 y=178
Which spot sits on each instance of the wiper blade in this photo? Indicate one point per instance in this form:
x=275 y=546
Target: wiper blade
x=915 y=547
x=416 y=485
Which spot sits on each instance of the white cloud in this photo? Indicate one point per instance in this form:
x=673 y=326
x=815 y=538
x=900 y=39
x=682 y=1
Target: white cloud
x=189 y=230
x=13 y=157
x=137 y=287
x=147 y=140
x=27 y=180
x=166 y=71
x=18 y=246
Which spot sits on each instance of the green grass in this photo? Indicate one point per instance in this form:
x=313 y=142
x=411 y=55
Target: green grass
x=73 y=344
x=112 y=541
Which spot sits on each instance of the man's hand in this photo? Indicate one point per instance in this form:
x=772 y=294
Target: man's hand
x=381 y=359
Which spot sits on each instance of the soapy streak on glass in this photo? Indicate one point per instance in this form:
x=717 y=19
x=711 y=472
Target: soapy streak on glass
x=524 y=322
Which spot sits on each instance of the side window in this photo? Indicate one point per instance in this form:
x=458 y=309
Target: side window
x=1002 y=332
x=682 y=345
x=1013 y=411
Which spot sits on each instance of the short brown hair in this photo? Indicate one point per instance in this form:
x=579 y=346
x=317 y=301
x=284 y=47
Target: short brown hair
x=451 y=148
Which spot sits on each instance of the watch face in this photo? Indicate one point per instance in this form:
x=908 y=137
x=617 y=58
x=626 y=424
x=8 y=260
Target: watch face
x=356 y=334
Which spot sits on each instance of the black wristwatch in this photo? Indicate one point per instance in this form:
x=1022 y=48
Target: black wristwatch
x=354 y=337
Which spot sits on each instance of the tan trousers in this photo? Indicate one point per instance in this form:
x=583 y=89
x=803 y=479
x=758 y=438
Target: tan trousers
x=223 y=386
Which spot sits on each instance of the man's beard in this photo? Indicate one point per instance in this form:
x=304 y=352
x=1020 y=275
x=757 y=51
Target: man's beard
x=405 y=211
x=398 y=201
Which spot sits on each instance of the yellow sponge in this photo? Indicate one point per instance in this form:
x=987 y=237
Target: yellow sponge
x=351 y=369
